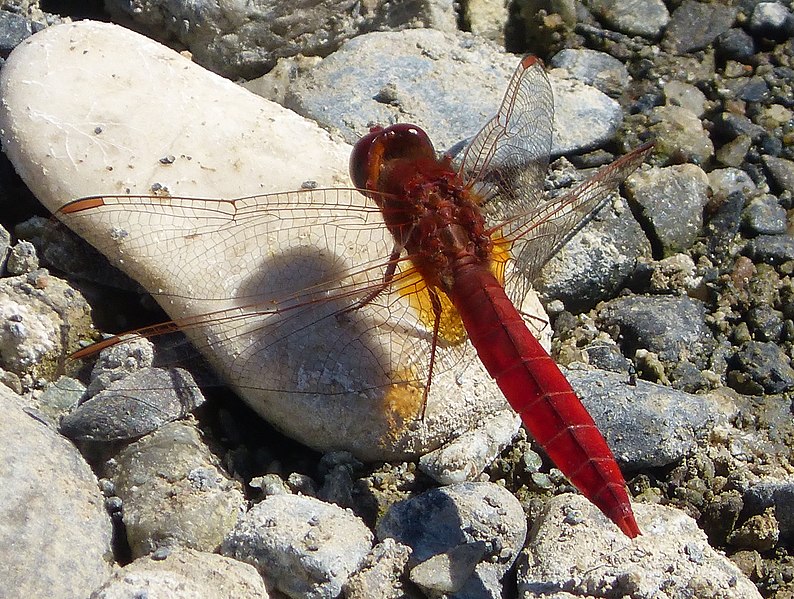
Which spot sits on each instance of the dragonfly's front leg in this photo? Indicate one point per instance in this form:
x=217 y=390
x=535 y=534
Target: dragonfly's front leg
x=388 y=277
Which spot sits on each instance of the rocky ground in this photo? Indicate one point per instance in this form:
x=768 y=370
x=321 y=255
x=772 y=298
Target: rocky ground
x=672 y=311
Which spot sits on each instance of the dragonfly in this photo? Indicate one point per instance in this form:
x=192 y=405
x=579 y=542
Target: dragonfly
x=425 y=257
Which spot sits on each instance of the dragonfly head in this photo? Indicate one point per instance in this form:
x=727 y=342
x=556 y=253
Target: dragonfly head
x=375 y=154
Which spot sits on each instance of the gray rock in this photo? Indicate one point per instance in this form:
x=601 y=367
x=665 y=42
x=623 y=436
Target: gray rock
x=60 y=397
x=781 y=171
x=22 y=258
x=465 y=457
x=597 y=261
x=119 y=361
x=764 y=216
x=771 y=249
x=646 y=18
x=184 y=574
x=447 y=572
x=777 y=494
x=13 y=29
x=760 y=367
x=134 y=406
x=454 y=518
x=447 y=85
x=670 y=201
x=735 y=44
x=646 y=425
x=174 y=493
x=686 y=95
x=679 y=134
x=41 y=320
x=695 y=25
x=53 y=524
x=380 y=574
x=570 y=555
x=303 y=546
x=725 y=181
x=672 y=327
x=772 y=20
x=237 y=39
x=598 y=69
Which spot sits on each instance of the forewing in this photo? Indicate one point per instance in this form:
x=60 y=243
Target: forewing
x=268 y=282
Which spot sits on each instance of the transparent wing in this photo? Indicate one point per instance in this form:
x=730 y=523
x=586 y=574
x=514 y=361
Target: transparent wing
x=263 y=286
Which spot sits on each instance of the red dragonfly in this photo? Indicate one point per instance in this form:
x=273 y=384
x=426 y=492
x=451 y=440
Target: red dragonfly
x=460 y=235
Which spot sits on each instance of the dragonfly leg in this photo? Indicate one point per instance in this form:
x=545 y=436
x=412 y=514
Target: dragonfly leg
x=388 y=275
x=435 y=303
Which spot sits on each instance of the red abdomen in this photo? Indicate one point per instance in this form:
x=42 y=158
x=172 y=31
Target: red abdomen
x=538 y=391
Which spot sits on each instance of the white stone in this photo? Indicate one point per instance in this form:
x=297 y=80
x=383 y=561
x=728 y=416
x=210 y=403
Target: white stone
x=91 y=108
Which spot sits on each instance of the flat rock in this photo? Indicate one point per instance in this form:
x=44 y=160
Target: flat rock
x=184 y=574
x=635 y=17
x=569 y=555
x=303 y=546
x=68 y=143
x=646 y=425
x=53 y=521
x=448 y=85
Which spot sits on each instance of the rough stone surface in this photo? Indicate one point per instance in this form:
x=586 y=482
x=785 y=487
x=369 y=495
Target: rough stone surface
x=184 y=574
x=447 y=85
x=695 y=25
x=53 y=522
x=173 y=492
x=445 y=520
x=670 y=201
x=569 y=555
x=41 y=320
x=134 y=406
x=595 y=68
x=646 y=425
x=680 y=135
x=305 y=547
x=635 y=17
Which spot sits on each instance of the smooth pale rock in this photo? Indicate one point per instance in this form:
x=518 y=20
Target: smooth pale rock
x=91 y=108
x=568 y=552
x=54 y=529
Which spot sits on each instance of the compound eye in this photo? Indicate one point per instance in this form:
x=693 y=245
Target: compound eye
x=360 y=157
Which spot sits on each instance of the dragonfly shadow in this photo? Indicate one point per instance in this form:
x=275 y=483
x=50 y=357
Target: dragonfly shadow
x=299 y=335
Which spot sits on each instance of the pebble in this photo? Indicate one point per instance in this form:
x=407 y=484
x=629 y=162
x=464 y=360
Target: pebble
x=764 y=216
x=672 y=327
x=597 y=261
x=781 y=172
x=184 y=574
x=595 y=68
x=774 y=493
x=53 y=524
x=301 y=545
x=771 y=249
x=686 y=95
x=447 y=85
x=380 y=575
x=772 y=20
x=695 y=25
x=671 y=200
x=22 y=258
x=735 y=44
x=241 y=40
x=570 y=554
x=679 y=133
x=174 y=493
x=465 y=457
x=454 y=522
x=760 y=367
x=134 y=406
x=646 y=18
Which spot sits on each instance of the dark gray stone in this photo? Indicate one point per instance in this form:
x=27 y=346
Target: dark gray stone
x=760 y=367
x=772 y=20
x=695 y=25
x=595 y=68
x=764 y=216
x=771 y=249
